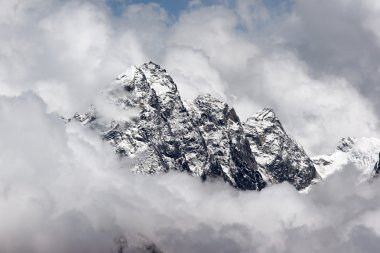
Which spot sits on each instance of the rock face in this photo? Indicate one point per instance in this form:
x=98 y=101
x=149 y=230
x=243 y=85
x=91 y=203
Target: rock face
x=376 y=169
x=141 y=245
x=279 y=157
x=228 y=149
x=361 y=153
x=204 y=138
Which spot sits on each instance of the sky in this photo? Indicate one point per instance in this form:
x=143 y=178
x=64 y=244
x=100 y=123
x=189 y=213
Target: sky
x=316 y=63
x=175 y=8
x=172 y=7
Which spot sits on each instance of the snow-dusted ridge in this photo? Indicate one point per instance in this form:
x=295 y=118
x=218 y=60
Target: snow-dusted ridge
x=280 y=158
x=361 y=153
x=204 y=138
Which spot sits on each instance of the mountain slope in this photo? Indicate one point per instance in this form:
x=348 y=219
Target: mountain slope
x=362 y=153
x=278 y=155
x=204 y=138
x=228 y=149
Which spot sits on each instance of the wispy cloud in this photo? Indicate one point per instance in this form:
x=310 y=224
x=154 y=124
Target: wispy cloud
x=63 y=190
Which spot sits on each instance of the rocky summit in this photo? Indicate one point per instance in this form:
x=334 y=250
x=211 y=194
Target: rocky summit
x=204 y=138
x=279 y=157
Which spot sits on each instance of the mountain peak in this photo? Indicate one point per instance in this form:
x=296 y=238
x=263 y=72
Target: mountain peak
x=346 y=144
x=212 y=105
x=362 y=152
x=150 y=65
x=265 y=114
x=274 y=150
x=205 y=138
x=145 y=79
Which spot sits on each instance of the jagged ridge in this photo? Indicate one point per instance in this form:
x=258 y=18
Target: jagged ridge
x=362 y=153
x=280 y=158
x=204 y=138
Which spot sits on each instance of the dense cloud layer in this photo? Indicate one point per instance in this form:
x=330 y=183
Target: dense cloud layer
x=63 y=190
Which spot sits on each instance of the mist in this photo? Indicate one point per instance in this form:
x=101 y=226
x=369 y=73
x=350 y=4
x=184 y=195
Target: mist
x=62 y=189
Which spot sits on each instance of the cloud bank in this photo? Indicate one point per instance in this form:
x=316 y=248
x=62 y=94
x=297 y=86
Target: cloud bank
x=63 y=190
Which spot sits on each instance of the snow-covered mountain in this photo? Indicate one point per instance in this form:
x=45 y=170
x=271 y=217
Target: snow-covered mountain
x=204 y=137
x=361 y=153
x=279 y=157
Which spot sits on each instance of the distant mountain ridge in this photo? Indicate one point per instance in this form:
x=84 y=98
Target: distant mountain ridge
x=204 y=138
x=361 y=153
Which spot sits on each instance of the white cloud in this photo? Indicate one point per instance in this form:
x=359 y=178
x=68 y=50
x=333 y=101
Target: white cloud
x=314 y=110
x=68 y=192
x=192 y=70
x=74 y=49
x=63 y=190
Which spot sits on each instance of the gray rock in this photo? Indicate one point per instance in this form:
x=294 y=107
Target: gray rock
x=228 y=150
x=279 y=157
x=204 y=138
x=376 y=169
